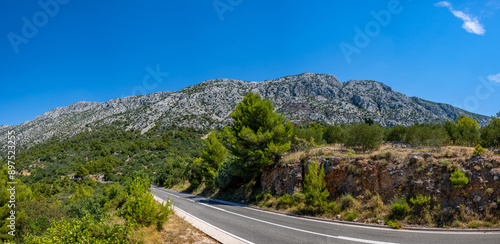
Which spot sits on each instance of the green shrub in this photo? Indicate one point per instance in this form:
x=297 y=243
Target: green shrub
x=400 y=208
x=367 y=137
x=346 y=201
x=285 y=201
x=490 y=134
x=473 y=225
x=86 y=230
x=394 y=224
x=299 y=197
x=397 y=133
x=351 y=216
x=433 y=135
x=333 y=134
x=421 y=201
x=89 y=205
x=141 y=207
x=458 y=179
x=334 y=207
x=478 y=150
x=444 y=162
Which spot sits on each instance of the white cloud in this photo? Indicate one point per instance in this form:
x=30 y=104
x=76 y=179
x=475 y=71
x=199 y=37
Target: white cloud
x=494 y=78
x=471 y=24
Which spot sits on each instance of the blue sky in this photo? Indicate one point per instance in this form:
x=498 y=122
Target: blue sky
x=67 y=51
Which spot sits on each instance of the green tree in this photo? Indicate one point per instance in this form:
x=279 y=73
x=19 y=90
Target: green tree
x=81 y=171
x=258 y=135
x=22 y=194
x=367 y=137
x=315 y=186
x=141 y=207
x=469 y=131
x=458 y=179
x=427 y=135
x=397 y=133
x=490 y=134
x=333 y=134
x=306 y=137
x=212 y=156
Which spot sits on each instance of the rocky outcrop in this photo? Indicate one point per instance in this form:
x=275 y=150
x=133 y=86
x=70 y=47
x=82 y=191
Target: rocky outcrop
x=301 y=98
x=420 y=173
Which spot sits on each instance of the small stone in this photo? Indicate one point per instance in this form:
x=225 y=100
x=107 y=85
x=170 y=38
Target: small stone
x=356 y=220
x=380 y=222
x=477 y=198
x=495 y=178
x=415 y=159
x=339 y=216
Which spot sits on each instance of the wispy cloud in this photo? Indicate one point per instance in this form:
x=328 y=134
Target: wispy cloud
x=471 y=24
x=494 y=78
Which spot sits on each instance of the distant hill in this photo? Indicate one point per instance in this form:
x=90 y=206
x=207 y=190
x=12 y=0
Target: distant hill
x=301 y=98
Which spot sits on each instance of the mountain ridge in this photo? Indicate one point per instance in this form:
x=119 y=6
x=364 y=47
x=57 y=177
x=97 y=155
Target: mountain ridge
x=301 y=98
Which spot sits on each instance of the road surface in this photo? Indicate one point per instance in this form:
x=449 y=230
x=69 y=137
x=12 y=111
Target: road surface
x=256 y=226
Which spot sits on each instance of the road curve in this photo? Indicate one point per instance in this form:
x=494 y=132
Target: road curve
x=256 y=226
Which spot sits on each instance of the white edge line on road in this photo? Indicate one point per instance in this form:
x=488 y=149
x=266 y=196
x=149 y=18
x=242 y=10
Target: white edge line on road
x=157 y=198
x=444 y=232
x=300 y=230
x=284 y=226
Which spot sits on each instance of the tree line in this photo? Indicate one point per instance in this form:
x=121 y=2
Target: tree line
x=258 y=136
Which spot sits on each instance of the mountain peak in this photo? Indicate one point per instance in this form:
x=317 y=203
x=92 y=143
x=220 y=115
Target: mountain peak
x=300 y=98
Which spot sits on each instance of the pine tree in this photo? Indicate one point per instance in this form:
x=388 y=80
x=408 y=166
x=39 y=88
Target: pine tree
x=258 y=136
x=212 y=156
x=315 y=186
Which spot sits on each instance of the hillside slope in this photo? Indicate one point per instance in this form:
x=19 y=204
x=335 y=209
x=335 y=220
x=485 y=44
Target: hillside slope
x=301 y=98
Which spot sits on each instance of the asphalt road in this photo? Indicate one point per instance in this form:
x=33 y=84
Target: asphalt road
x=256 y=226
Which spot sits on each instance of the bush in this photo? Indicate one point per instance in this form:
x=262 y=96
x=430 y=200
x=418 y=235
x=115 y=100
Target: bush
x=394 y=224
x=478 y=150
x=400 y=208
x=490 y=134
x=397 y=133
x=421 y=204
x=367 y=137
x=351 y=216
x=285 y=201
x=458 y=179
x=473 y=225
x=88 y=205
x=141 y=207
x=86 y=230
x=346 y=201
x=310 y=135
x=427 y=135
x=421 y=201
x=333 y=134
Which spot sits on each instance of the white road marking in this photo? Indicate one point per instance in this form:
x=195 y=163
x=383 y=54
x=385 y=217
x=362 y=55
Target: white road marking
x=215 y=227
x=300 y=230
x=441 y=232
x=291 y=228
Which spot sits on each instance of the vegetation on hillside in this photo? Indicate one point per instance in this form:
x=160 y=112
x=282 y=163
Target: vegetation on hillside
x=58 y=188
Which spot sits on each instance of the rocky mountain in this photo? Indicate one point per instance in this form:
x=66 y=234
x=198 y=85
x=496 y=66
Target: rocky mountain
x=301 y=98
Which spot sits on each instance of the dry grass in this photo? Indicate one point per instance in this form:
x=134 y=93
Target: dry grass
x=176 y=230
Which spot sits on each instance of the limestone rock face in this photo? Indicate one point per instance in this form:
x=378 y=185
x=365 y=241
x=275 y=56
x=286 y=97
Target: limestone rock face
x=301 y=98
x=389 y=178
